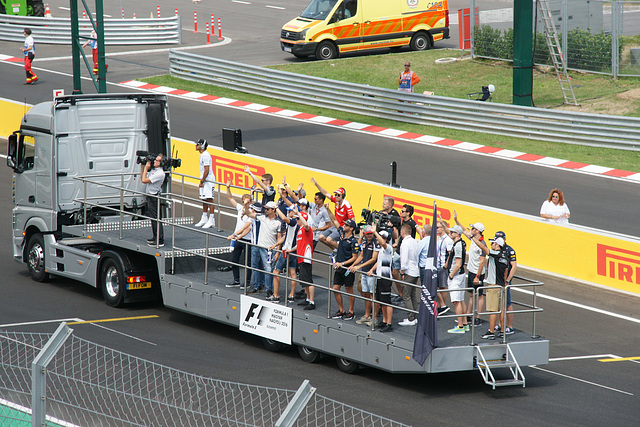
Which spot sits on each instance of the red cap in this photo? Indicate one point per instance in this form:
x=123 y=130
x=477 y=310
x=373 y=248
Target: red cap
x=339 y=191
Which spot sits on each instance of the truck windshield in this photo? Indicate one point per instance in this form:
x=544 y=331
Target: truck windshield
x=318 y=9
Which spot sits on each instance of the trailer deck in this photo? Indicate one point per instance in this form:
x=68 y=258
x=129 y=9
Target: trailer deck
x=192 y=283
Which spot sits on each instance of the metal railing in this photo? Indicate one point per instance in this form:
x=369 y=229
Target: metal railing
x=594 y=130
x=145 y=31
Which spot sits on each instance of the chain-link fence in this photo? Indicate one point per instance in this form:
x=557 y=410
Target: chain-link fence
x=596 y=36
x=91 y=385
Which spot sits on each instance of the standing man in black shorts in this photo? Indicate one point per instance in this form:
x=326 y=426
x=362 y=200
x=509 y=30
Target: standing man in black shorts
x=347 y=247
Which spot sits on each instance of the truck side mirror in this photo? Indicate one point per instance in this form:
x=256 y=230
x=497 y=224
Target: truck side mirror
x=12 y=150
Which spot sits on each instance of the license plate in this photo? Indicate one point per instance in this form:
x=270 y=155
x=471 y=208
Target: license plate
x=287 y=49
x=140 y=285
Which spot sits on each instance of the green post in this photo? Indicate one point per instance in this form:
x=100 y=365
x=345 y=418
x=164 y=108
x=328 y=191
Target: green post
x=523 y=52
x=75 y=47
x=102 y=69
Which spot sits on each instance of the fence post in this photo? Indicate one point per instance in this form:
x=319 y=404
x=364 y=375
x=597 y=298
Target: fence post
x=616 y=30
x=296 y=405
x=39 y=374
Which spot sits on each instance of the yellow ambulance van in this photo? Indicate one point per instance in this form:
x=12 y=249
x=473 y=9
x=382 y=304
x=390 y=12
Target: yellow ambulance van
x=327 y=28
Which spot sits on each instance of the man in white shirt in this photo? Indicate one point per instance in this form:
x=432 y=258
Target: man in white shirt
x=206 y=186
x=154 y=178
x=267 y=241
x=240 y=236
x=29 y=51
x=409 y=272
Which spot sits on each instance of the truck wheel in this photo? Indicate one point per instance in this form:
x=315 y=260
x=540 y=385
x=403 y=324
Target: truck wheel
x=326 y=50
x=420 y=41
x=308 y=355
x=38 y=8
x=347 y=366
x=272 y=345
x=35 y=258
x=112 y=282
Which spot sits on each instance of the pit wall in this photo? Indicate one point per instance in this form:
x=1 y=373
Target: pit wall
x=572 y=251
x=582 y=253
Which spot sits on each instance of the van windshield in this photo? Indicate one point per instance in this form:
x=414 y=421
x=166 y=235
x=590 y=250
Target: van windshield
x=318 y=9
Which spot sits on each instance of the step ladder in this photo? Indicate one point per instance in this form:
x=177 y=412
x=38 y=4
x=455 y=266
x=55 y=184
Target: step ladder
x=555 y=51
x=498 y=356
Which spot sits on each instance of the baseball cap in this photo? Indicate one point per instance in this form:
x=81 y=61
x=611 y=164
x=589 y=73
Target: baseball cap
x=457 y=229
x=385 y=234
x=501 y=234
x=368 y=229
x=304 y=215
x=304 y=202
x=339 y=191
x=498 y=240
x=271 y=205
x=257 y=207
x=201 y=141
x=478 y=226
x=350 y=222
x=302 y=193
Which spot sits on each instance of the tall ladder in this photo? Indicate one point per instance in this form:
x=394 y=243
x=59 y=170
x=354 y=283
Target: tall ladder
x=498 y=356
x=558 y=59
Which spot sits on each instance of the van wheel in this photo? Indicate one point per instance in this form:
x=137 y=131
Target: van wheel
x=112 y=282
x=308 y=355
x=272 y=345
x=326 y=50
x=347 y=366
x=420 y=41
x=36 y=258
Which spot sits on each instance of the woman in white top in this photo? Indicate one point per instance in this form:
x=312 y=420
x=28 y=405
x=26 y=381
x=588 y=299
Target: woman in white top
x=555 y=209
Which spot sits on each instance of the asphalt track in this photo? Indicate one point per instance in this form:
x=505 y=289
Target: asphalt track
x=568 y=391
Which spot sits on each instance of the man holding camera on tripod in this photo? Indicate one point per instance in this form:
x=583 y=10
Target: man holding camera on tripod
x=153 y=177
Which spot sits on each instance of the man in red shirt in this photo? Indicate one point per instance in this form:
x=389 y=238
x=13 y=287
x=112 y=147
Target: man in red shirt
x=343 y=211
x=304 y=250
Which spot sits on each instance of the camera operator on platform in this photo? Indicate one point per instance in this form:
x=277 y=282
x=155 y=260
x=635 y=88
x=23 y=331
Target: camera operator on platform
x=153 y=176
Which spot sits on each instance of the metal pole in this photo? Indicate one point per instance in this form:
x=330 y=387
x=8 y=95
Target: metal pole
x=102 y=69
x=85 y=203
x=206 y=260
x=535 y=302
x=158 y=224
x=296 y=405
x=121 y=204
x=218 y=209
x=472 y=23
x=39 y=374
x=75 y=47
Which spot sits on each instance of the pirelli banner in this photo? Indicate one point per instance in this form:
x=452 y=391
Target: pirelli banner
x=572 y=251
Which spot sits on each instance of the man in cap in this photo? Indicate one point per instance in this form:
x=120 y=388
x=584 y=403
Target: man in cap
x=475 y=265
x=455 y=269
x=496 y=275
x=513 y=266
x=343 y=212
x=347 y=252
x=365 y=261
x=383 y=285
x=304 y=252
x=206 y=186
x=267 y=240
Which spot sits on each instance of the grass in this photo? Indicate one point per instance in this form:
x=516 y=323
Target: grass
x=597 y=93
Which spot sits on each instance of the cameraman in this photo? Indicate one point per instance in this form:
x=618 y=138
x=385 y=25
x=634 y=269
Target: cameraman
x=154 y=179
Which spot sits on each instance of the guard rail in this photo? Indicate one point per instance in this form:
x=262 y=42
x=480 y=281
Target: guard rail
x=145 y=31
x=526 y=122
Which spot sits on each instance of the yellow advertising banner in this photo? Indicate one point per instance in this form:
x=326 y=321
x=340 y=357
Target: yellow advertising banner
x=573 y=251
x=11 y=113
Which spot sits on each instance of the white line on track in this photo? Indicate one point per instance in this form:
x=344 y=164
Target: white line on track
x=240 y=1
x=582 y=381
x=582 y=306
x=275 y=7
x=593 y=356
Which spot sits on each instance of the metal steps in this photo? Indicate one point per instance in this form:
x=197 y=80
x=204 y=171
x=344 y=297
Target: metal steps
x=555 y=51
x=494 y=357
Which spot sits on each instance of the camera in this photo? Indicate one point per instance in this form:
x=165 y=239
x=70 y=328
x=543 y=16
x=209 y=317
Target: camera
x=382 y=220
x=145 y=157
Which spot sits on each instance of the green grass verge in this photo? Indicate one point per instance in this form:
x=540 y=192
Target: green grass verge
x=454 y=80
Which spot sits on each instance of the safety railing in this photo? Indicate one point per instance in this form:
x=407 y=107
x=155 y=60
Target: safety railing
x=594 y=130
x=144 y=31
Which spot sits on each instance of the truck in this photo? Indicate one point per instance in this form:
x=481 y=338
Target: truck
x=328 y=28
x=22 y=7
x=78 y=213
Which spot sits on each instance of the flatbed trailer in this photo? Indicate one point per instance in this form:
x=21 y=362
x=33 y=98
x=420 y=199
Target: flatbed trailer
x=190 y=282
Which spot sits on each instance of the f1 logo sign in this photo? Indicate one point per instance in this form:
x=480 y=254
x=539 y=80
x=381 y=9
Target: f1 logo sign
x=254 y=314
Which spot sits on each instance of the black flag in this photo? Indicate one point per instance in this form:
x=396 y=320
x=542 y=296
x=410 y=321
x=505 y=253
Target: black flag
x=427 y=332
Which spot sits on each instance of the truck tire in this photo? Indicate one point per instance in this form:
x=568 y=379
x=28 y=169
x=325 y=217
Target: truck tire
x=272 y=345
x=309 y=355
x=38 y=8
x=112 y=282
x=347 y=366
x=420 y=41
x=36 y=258
x=326 y=50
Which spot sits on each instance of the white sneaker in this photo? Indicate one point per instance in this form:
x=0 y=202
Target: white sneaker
x=211 y=222
x=202 y=222
x=406 y=322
